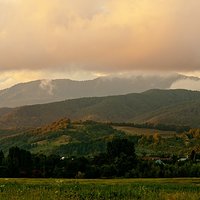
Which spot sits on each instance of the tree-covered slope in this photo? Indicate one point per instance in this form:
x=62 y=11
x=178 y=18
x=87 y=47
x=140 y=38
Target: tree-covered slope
x=68 y=138
x=166 y=106
x=62 y=137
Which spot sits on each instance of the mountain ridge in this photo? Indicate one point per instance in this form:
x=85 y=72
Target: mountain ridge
x=133 y=107
x=47 y=91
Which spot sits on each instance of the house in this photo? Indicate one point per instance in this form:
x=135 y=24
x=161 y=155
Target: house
x=183 y=159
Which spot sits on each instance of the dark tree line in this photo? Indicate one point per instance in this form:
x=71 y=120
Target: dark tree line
x=119 y=160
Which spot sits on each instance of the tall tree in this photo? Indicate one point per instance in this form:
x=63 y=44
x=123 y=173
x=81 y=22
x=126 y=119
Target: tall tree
x=1 y=158
x=120 y=146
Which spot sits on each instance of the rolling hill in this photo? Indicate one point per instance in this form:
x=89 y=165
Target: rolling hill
x=62 y=137
x=68 y=138
x=180 y=107
x=46 y=91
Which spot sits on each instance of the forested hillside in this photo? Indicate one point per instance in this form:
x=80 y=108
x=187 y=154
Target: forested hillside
x=180 y=107
x=67 y=138
x=62 y=137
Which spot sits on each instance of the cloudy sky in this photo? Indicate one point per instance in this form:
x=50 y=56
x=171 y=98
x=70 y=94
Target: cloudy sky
x=82 y=39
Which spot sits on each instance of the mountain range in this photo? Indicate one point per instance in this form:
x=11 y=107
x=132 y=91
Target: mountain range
x=180 y=107
x=46 y=91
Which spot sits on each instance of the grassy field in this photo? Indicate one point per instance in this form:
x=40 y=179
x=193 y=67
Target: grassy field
x=144 y=131
x=113 y=189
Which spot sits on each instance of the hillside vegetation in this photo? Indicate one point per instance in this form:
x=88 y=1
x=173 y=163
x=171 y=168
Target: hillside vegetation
x=180 y=107
x=62 y=137
x=68 y=138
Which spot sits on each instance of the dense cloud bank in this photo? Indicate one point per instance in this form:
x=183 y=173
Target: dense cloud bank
x=107 y=35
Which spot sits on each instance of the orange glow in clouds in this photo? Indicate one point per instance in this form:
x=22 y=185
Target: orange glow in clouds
x=100 y=36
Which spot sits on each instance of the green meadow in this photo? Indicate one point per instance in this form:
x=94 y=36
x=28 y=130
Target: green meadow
x=103 y=189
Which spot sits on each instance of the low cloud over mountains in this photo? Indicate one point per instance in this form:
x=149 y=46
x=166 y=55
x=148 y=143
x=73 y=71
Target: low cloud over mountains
x=45 y=91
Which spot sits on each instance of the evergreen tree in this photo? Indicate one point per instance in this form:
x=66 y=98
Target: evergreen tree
x=1 y=158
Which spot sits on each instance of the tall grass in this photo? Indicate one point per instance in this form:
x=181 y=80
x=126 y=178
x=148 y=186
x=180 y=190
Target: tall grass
x=60 y=189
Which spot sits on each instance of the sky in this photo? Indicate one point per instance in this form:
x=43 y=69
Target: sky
x=84 y=39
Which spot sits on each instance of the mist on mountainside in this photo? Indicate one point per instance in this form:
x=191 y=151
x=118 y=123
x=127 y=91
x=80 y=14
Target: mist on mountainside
x=46 y=91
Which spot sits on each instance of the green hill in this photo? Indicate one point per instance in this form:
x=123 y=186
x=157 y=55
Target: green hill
x=157 y=106
x=61 y=137
x=90 y=138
